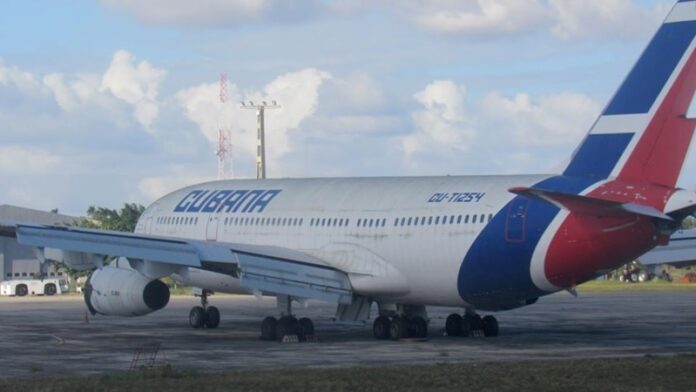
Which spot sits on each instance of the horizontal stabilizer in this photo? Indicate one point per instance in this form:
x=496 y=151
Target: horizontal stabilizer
x=589 y=205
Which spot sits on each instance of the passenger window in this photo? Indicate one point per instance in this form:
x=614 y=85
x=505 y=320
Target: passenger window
x=384 y=222
x=430 y=220
x=451 y=219
x=473 y=219
x=483 y=218
x=490 y=217
x=409 y=221
x=437 y=220
x=459 y=219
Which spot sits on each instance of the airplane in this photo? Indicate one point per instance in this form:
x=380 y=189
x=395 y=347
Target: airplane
x=479 y=243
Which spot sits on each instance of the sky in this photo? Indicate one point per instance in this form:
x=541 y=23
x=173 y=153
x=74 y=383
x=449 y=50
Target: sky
x=114 y=101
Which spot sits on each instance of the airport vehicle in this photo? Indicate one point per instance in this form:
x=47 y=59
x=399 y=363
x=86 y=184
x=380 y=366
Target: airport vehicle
x=482 y=243
x=22 y=287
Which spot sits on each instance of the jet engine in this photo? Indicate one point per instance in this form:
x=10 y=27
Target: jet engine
x=114 y=291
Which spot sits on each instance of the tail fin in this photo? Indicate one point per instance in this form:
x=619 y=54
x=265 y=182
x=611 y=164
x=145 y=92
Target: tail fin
x=644 y=134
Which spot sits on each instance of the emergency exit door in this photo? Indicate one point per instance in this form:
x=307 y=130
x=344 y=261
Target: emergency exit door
x=516 y=220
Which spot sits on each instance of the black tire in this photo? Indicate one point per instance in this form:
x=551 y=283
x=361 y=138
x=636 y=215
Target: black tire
x=268 y=328
x=212 y=317
x=197 y=317
x=398 y=328
x=490 y=326
x=453 y=325
x=466 y=327
x=287 y=325
x=21 y=290
x=306 y=327
x=50 y=289
x=419 y=327
x=475 y=321
x=380 y=328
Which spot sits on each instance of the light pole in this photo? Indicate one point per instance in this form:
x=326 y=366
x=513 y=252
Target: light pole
x=260 y=133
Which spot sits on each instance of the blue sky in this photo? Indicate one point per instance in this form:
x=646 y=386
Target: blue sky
x=108 y=102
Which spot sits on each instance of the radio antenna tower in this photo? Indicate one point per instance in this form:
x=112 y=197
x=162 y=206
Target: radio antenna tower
x=260 y=133
x=224 y=150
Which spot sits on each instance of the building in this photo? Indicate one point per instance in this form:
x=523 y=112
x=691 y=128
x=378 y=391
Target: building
x=17 y=261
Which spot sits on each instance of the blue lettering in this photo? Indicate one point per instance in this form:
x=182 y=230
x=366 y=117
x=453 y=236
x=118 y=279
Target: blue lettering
x=186 y=201
x=249 y=199
x=214 y=202
x=200 y=201
x=231 y=203
x=262 y=201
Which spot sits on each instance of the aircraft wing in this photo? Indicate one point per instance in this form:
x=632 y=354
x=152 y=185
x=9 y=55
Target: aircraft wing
x=680 y=252
x=261 y=268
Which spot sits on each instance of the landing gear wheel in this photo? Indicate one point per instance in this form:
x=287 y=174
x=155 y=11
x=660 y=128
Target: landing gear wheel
x=466 y=327
x=197 y=317
x=453 y=325
x=380 y=328
x=287 y=325
x=419 y=327
x=490 y=326
x=268 y=328
x=306 y=327
x=50 y=289
x=212 y=317
x=398 y=329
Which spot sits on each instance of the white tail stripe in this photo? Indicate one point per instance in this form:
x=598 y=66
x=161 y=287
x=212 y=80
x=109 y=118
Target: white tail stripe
x=682 y=12
x=622 y=123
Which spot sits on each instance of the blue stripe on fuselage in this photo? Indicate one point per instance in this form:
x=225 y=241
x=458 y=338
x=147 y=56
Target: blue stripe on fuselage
x=650 y=74
x=496 y=269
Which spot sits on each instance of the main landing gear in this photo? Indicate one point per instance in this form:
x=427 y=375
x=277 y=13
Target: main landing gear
x=204 y=315
x=400 y=327
x=471 y=324
x=287 y=325
x=397 y=321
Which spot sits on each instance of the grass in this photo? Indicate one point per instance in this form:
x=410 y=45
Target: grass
x=620 y=374
x=597 y=286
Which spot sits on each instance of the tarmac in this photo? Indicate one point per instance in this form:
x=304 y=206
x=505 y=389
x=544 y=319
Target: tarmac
x=43 y=336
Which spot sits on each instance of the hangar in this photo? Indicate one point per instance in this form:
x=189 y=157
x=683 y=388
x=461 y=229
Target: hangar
x=17 y=261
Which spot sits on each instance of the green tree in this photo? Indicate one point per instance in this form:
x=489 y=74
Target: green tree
x=124 y=219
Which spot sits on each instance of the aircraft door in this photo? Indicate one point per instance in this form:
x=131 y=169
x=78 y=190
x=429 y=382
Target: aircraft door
x=516 y=220
x=212 y=228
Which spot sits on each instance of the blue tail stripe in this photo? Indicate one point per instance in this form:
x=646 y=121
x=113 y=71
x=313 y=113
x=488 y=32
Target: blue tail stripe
x=598 y=155
x=646 y=80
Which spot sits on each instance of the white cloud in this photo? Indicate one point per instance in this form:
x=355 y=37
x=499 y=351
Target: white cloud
x=296 y=92
x=566 y=19
x=135 y=84
x=22 y=80
x=558 y=118
x=72 y=94
x=480 y=17
x=443 y=123
x=514 y=129
x=20 y=160
x=573 y=19
x=152 y=188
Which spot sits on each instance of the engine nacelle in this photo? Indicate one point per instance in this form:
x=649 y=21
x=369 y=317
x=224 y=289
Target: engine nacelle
x=114 y=291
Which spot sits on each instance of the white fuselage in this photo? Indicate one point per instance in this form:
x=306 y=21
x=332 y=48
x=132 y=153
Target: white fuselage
x=399 y=238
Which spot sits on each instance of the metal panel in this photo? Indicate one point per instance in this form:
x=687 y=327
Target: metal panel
x=295 y=279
